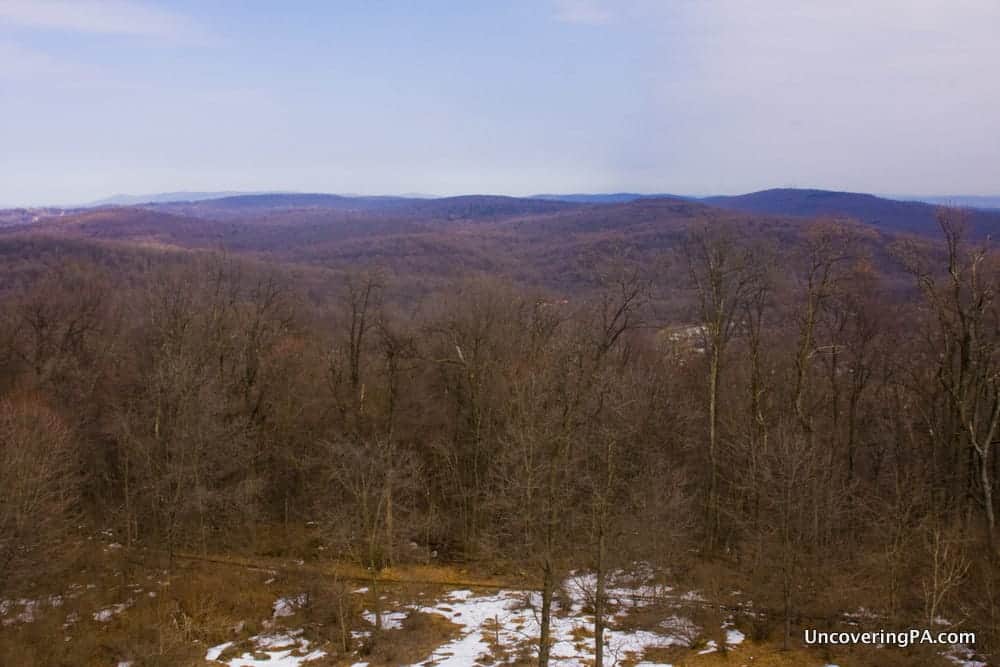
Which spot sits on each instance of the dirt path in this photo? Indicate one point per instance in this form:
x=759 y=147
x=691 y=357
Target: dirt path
x=426 y=575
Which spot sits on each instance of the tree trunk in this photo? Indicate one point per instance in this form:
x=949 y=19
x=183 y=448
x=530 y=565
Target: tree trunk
x=599 y=599
x=984 y=479
x=713 y=485
x=376 y=601
x=544 y=641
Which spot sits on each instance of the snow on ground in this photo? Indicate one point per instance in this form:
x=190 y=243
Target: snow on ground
x=27 y=613
x=108 y=613
x=499 y=626
x=494 y=629
x=710 y=647
x=24 y=610
x=862 y=614
x=391 y=620
x=287 y=606
x=733 y=636
x=214 y=652
x=963 y=656
x=280 y=649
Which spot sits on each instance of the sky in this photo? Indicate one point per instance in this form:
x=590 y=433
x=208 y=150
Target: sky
x=444 y=97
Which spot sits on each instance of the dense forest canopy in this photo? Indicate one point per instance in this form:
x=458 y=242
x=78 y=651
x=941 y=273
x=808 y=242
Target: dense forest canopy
x=808 y=408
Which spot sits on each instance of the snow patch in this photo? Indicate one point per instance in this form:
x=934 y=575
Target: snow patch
x=391 y=620
x=508 y=622
x=963 y=656
x=288 y=649
x=29 y=609
x=214 y=652
x=288 y=606
x=710 y=647
x=108 y=613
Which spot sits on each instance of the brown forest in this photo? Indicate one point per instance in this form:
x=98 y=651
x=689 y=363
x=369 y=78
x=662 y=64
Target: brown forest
x=805 y=410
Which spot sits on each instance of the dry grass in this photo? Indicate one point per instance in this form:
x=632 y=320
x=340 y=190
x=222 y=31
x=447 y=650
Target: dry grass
x=427 y=575
x=154 y=616
x=420 y=635
x=757 y=655
x=173 y=617
x=770 y=654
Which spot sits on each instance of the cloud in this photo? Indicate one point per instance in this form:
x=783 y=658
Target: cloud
x=856 y=95
x=20 y=63
x=587 y=12
x=102 y=17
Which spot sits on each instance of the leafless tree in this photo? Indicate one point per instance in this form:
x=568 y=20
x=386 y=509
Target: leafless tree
x=723 y=274
x=39 y=491
x=947 y=565
x=967 y=335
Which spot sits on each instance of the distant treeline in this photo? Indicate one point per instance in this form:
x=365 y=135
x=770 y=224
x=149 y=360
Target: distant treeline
x=780 y=411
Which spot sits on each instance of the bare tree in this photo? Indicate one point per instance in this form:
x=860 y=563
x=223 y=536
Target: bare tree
x=361 y=302
x=947 y=565
x=791 y=471
x=967 y=335
x=362 y=479
x=828 y=249
x=39 y=491
x=723 y=274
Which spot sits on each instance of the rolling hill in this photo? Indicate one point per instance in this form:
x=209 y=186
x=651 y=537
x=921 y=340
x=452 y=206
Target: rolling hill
x=471 y=207
x=538 y=243
x=885 y=214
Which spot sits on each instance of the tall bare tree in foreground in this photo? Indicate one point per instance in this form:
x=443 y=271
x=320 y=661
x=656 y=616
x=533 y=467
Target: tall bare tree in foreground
x=966 y=334
x=723 y=273
x=39 y=490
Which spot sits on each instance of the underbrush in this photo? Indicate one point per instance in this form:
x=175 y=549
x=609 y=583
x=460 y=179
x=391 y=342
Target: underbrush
x=118 y=606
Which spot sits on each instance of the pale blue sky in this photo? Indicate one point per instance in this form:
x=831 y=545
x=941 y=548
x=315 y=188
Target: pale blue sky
x=518 y=97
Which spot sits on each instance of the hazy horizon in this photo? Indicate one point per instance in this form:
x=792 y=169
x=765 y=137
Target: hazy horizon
x=590 y=96
x=129 y=199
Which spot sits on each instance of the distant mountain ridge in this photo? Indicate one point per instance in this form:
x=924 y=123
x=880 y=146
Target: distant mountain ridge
x=610 y=198
x=889 y=214
x=288 y=200
x=752 y=199
x=465 y=207
x=159 y=198
x=911 y=215
x=968 y=201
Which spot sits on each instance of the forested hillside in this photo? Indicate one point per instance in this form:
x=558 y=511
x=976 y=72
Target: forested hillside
x=805 y=412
